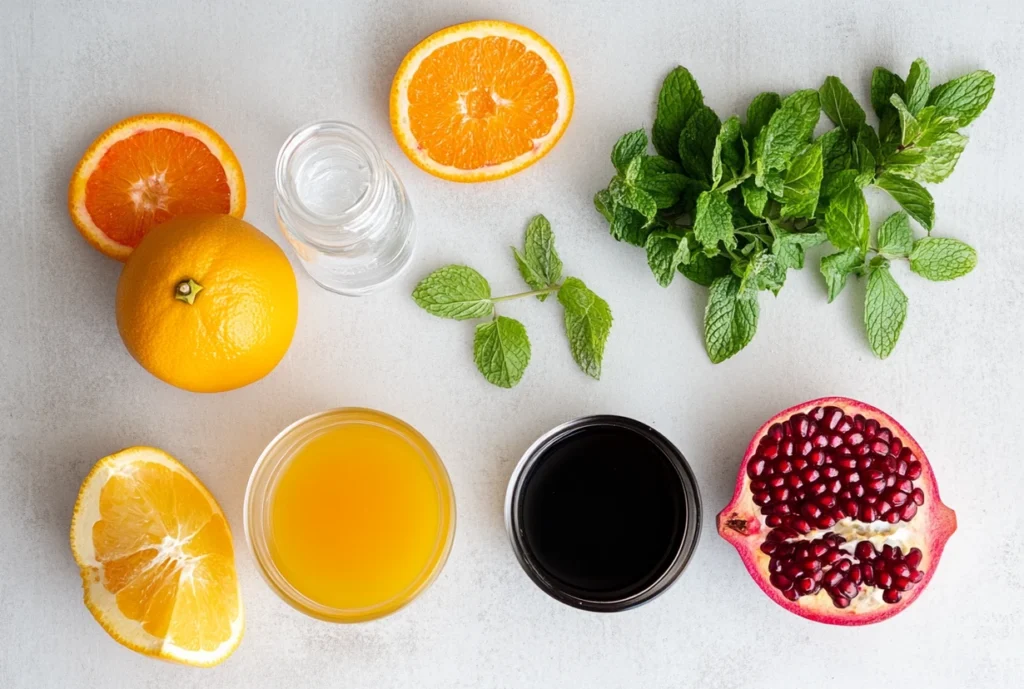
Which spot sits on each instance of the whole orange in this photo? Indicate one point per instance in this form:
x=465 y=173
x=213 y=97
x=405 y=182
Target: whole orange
x=207 y=303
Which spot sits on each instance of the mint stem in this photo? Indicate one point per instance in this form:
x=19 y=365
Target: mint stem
x=534 y=293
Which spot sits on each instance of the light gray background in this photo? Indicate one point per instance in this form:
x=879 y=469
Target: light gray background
x=254 y=70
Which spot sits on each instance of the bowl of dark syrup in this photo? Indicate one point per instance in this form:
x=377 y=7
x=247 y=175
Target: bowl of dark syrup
x=603 y=513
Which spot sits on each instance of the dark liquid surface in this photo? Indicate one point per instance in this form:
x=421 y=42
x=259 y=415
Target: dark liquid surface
x=602 y=513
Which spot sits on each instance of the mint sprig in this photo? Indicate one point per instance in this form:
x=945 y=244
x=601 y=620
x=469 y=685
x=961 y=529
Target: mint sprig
x=501 y=347
x=734 y=205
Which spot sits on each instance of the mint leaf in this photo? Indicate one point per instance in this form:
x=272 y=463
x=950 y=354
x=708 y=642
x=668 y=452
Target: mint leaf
x=914 y=198
x=885 y=310
x=836 y=147
x=935 y=123
x=588 y=320
x=865 y=165
x=754 y=197
x=883 y=85
x=665 y=253
x=663 y=180
x=846 y=220
x=627 y=195
x=539 y=264
x=788 y=247
x=918 y=86
x=910 y=128
x=634 y=171
x=697 y=143
x=867 y=137
x=605 y=204
x=730 y=319
x=763 y=271
x=774 y=183
x=629 y=226
x=788 y=131
x=704 y=270
x=942 y=258
x=759 y=112
x=837 y=267
x=802 y=184
x=501 y=351
x=679 y=99
x=840 y=105
x=454 y=292
x=627 y=148
x=713 y=222
x=895 y=238
x=727 y=158
x=838 y=182
x=941 y=158
x=905 y=163
x=966 y=96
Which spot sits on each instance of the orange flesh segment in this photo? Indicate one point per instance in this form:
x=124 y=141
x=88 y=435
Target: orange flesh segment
x=481 y=101
x=153 y=176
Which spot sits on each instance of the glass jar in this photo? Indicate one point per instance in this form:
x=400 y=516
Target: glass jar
x=342 y=208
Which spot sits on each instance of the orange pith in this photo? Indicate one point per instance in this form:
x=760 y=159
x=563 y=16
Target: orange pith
x=146 y=170
x=480 y=101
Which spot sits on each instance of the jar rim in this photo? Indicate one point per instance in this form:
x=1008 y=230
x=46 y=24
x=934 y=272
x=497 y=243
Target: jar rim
x=267 y=472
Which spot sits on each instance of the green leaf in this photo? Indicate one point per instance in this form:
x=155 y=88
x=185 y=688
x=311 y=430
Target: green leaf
x=627 y=195
x=840 y=105
x=634 y=170
x=629 y=147
x=966 y=96
x=802 y=184
x=885 y=310
x=679 y=99
x=788 y=131
x=847 y=223
x=883 y=85
x=918 y=86
x=629 y=226
x=727 y=158
x=501 y=351
x=837 y=267
x=865 y=165
x=895 y=238
x=665 y=253
x=788 y=247
x=730 y=319
x=703 y=269
x=935 y=123
x=763 y=271
x=836 y=156
x=774 y=183
x=838 y=182
x=663 y=180
x=867 y=137
x=905 y=163
x=697 y=143
x=910 y=128
x=754 y=197
x=713 y=222
x=942 y=258
x=941 y=158
x=454 y=292
x=588 y=320
x=914 y=198
x=539 y=263
x=759 y=112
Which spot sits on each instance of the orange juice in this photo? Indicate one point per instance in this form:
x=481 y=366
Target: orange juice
x=357 y=515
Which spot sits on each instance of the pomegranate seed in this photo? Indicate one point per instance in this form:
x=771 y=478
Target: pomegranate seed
x=783 y=509
x=901 y=569
x=870 y=499
x=890 y=480
x=846 y=463
x=820 y=440
x=858 y=422
x=908 y=511
x=890 y=464
x=841 y=602
x=777 y=481
x=914 y=557
x=870 y=428
x=811 y=511
x=769 y=547
x=838 y=514
x=787 y=429
x=773 y=520
x=865 y=550
x=770 y=451
x=875 y=486
x=775 y=432
x=791 y=594
x=888 y=552
x=835 y=441
x=832 y=472
x=818 y=488
x=892 y=596
x=833 y=578
x=846 y=426
x=758 y=486
x=897 y=498
x=880 y=448
x=832 y=417
x=904 y=486
x=884 y=434
x=827 y=501
x=756 y=467
x=883 y=579
x=851 y=508
x=883 y=507
x=801 y=424
x=895 y=446
x=780 y=494
x=825 y=522
x=844 y=566
x=914 y=471
x=792 y=570
x=864 y=451
x=857 y=490
x=831 y=557
x=817 y=458
x=817 y=413
x=834 y=486
x=851 y=477
x=855 y=575
x=868 y=572
x=799 y=463
x=917 y=576
x=802 y=526
x=760 y=498
x=819 y=549
x=783 y=466
x=805 y=448
x=892 y=517
x=780 y=581
x=917 y=496
x=847 y=588
x=810 y=474
x=907 y=455
x=811 y=565
x=794 y=481
x=787 y=448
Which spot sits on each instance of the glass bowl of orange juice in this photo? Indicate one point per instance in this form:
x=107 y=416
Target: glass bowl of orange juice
x=350 y=514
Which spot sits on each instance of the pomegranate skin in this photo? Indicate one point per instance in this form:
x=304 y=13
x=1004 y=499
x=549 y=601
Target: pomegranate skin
x=743 y=524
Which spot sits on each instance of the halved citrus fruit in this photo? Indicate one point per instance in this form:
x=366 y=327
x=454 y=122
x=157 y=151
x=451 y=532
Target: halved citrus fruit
x=480 y=101
x=157 y=560
x=148 y=169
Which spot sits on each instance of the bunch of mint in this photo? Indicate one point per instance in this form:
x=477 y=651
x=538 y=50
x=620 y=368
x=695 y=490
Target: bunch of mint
x=501 y=348
x=732 y=206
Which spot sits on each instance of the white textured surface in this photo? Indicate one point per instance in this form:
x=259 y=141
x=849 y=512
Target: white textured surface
x=254 y=70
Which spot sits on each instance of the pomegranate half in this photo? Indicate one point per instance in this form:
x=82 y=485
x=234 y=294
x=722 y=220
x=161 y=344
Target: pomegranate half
x=836 y=513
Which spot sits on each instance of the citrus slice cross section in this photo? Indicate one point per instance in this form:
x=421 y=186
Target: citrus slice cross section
x=480 y=101
x=156 y=559
x=148 y=169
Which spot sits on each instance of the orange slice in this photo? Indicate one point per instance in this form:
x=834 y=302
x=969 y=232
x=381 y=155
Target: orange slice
x=480 y=101
x=157 y=560
x=148 y=169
